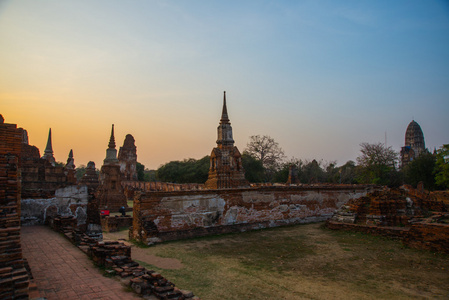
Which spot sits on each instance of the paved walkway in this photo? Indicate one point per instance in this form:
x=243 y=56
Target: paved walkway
x=62 y=271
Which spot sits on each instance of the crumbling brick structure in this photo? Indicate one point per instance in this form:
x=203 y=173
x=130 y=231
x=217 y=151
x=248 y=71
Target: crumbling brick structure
x=40 y=176
x=226 y=170
x=162 y=216
x=292 y=175
x=110 y=192
x=418 y=217
x=14 y=279
x=127 y=157
x=414 y=143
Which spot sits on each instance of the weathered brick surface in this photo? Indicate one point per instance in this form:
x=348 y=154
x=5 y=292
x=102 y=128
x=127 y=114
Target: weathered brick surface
x=127 y=157
x=160 y=216
x=112 y=224
x=422 y=216
x=154 y=186
x=14 y=279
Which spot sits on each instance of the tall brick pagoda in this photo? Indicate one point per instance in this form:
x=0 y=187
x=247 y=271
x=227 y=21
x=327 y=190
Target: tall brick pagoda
x=414 y=143
x=110 y=192
x=226 y=170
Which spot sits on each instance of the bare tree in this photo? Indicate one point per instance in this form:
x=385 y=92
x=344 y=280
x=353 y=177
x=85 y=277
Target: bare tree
x=267 y=150
x=376 y=163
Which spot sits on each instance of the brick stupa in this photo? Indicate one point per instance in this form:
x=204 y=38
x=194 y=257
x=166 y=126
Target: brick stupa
x=226 y=170
x=110 y=192
x=127 y=157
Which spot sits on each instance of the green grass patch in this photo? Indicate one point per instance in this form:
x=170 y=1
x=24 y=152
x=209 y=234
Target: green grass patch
x=304 y=261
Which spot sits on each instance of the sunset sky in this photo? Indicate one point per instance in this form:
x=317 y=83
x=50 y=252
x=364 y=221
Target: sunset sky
x=320 y=77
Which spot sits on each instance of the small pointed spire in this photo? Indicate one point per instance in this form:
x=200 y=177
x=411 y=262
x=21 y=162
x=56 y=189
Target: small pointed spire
x=70 y=165
x=112 y=139
x=49 y=148
x=224 y=113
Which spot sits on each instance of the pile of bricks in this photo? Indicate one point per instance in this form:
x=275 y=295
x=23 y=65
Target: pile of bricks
x=116 y=257
x=103 y=251
x=146 y=282
x=63 y=224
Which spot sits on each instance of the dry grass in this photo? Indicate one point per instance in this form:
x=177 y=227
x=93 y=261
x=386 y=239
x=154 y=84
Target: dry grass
x=304 y=262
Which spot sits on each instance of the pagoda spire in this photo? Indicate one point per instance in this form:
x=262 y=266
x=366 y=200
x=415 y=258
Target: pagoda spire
x=112 y=139
x=49 y=148
x=48 y=153
x=111 y=152
x=224 y=114
x=70 y=161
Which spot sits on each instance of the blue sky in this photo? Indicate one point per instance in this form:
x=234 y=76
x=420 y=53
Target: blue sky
x=320 y=77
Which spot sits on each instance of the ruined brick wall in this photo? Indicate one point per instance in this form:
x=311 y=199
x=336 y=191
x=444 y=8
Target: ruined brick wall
x=162 y=216
x=13 y=275
x=127 y=157
x=392 y=207
x=68 y=201
x=110 y=193
x=161 y=186
x=427 y=236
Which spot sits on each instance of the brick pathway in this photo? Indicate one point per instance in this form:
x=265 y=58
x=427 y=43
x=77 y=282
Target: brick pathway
x=62 y=271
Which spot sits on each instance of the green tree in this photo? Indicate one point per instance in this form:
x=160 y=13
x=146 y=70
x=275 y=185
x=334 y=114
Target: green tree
x=79 y=172
x=140 y=169
x=312 y=172
x=421 y=169
x=186 y=171
x=442 y=167
x=150 y=175
x=254 y=170
x=377 y=164
x=347 y=173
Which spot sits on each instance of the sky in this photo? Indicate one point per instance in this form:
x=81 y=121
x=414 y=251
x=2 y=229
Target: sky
x=320 y=77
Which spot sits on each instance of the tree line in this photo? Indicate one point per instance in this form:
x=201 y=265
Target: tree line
x=264 y=161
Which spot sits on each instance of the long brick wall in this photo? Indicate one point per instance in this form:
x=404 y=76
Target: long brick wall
x=161 y=186
x=162 y=216
x=14 y=279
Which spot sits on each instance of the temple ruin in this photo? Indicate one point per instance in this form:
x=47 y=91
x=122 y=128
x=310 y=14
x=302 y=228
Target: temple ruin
x=127 y=157
x=110 y=194
x=414 y=143
x=226 y=170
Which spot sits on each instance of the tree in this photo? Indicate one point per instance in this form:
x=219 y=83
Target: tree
x=265 y=149
x=347 y=172
x=254 y=171
x=268 y=151
x=140 y=171
x=377 y=164
x=79 y=172
x=312 y=172
x=186 y=171
x=442 y=167
x=421 y=169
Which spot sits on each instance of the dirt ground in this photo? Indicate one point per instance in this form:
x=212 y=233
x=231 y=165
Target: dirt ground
x=298 y=262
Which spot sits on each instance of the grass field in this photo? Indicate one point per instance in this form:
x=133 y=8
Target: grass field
x=303 y=262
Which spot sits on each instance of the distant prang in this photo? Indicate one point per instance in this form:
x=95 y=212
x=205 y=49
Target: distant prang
x=414 y=143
